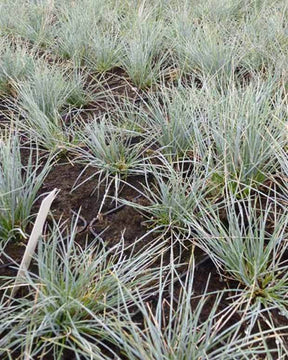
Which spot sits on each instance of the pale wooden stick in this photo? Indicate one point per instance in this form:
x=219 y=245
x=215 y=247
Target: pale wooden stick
x=34 y=237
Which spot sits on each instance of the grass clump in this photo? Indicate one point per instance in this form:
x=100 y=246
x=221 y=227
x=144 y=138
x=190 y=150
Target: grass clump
x=175 y=122
x=142 y=59
x=19 y=186
x=15 y=65
x=112 y=150
x=173 y=195
x=264 y=37
x=250 y=248
x=74 y=299
x=175 y=327
x=80 y=29
x=42 y=102
x=206 y=51
x=240 y=122
x=33 y=22
x=105 y=50
x=50 y=90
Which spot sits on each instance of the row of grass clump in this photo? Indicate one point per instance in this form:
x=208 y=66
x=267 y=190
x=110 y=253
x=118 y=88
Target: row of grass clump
x=152 y=40
x=202 y=121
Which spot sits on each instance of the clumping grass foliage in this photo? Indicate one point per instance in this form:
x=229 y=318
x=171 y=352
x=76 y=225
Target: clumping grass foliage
x=176 y=122
x=206 y=50
x=173 y=197
x=105 y=50
x=249 y=249
x=43 y=99
x=76 y=296
x=20 y=68
x=168 y=121
x=141 y=58
x=174 y=329
x=19 y=184
x=240 y=121
x=50 y=91
x=113 y=151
